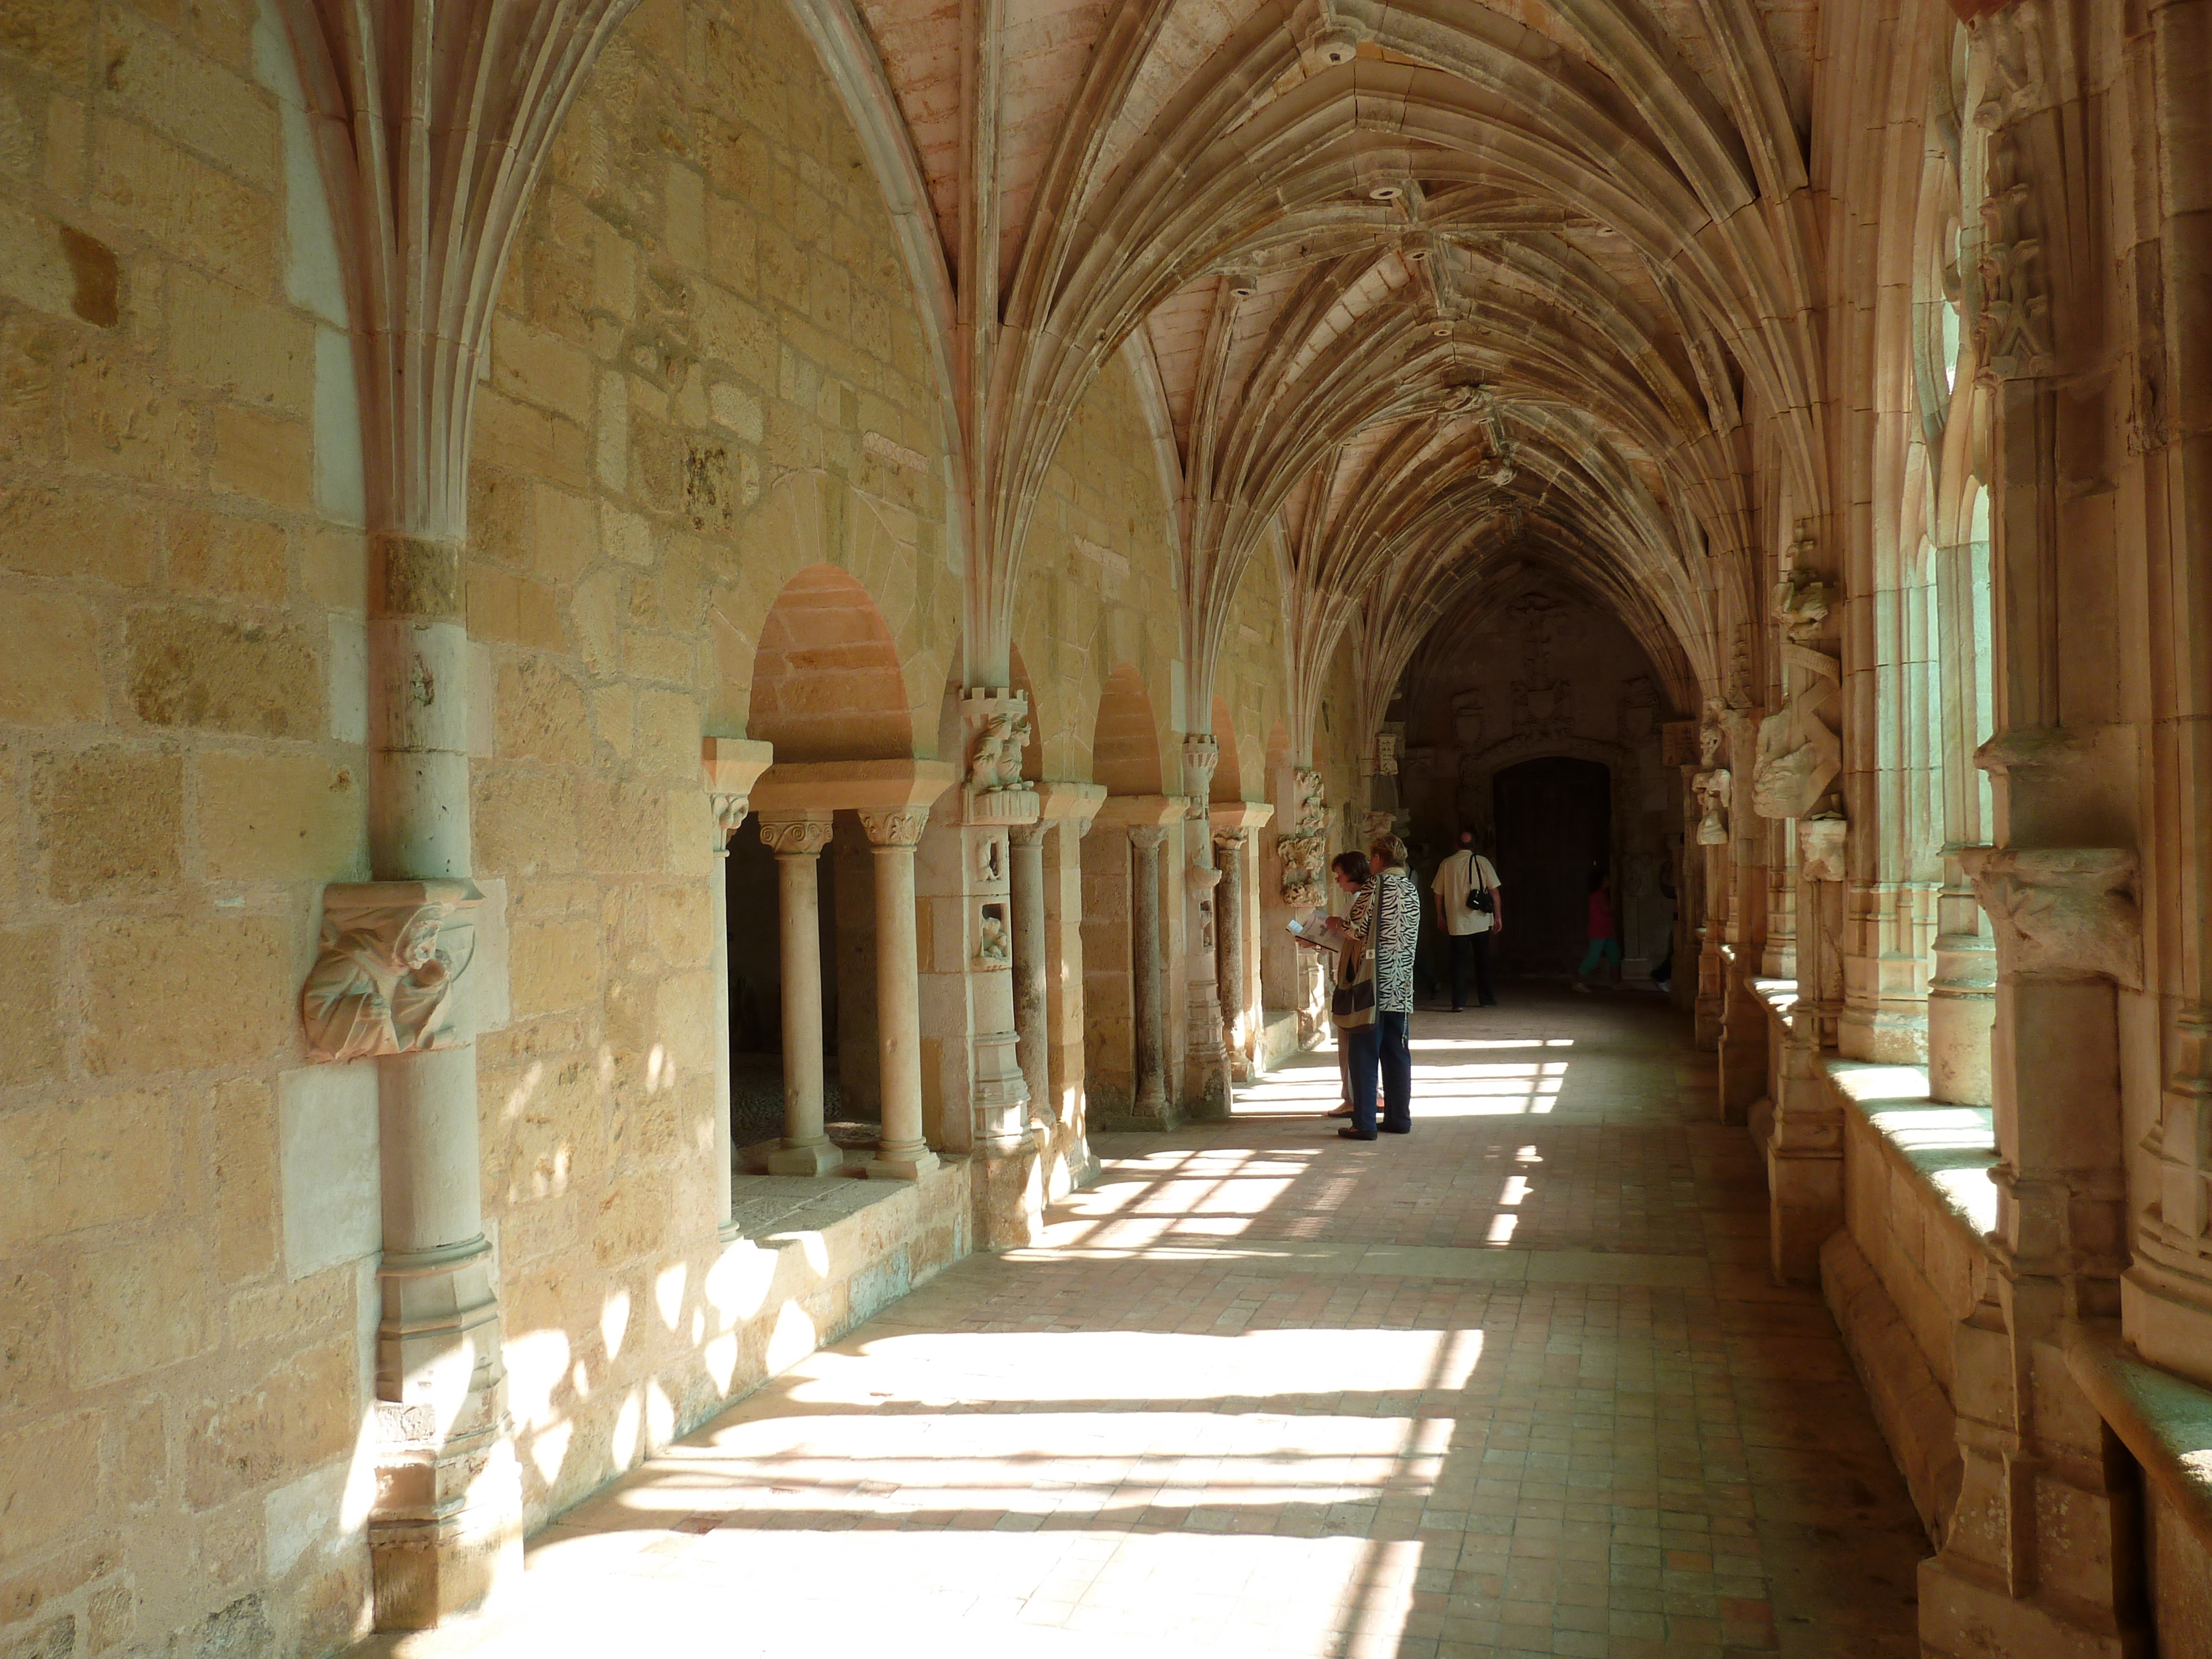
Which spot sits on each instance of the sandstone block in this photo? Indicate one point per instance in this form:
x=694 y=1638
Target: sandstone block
x=334 y=568
x=668 y=734
x=79 y=534
x=199 y=103
x=190 y=208
x=524 y=820
x=83 y=1162
x=123 y=417
x=555 y=964
x=511 y=434
x=31 y=349
x=511 y=609
x=30 y=1343
x=36 y=1508
x=110 y=823
x=143 y=1473
x=49 y=659
x=683 y=922
x=624 y=827
x=235 y=558
x=136 y=966
x=327 y=1140
x=540 y=368
x=34 y=270
x=306 y=1412
x=541 y=714
x=268 y=457
x=188 y=668
x=30 y=1014
x=282 y=818
x=135 y=1307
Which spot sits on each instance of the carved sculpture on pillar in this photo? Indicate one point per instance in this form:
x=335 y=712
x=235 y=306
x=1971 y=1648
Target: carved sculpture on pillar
x=1714 y=786
x=994 y=791
x=384 y=976
x=1301 y=846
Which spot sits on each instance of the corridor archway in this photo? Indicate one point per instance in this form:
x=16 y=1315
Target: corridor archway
x=1554 y=818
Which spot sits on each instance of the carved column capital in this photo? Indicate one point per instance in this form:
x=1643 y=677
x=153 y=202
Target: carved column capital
x=729 y=812
x=797 y=836
x=1147 y=836
x=2063 y=912
x=1027 y=835
x=901 y=827
x=1231 y=840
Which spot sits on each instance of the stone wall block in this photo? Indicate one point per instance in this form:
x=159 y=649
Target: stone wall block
x=135 y=1307
x=110 y=823
x=304 y=1411
x=81 y=1164
x=50 y=669
x=282 y=817
x=134 y=966
x=40 y=1510
x=94 y=533
x=225 y=557
x=256 y=679
x=327 y=1125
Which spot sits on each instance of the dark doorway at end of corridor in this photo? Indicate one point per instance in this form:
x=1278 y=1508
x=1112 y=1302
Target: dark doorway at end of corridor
x=1554 y=818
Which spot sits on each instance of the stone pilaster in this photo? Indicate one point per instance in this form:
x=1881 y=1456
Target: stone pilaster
x=1206 y=1060
x=1148 y=974
x=1229 y=850
x=2043 y=1545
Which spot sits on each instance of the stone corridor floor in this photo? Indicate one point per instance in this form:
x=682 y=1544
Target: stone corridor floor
x=1517 y=1384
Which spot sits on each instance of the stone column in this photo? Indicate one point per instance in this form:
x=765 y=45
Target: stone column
x=1026 y=855
x=447 y=1521
x=1206 y=1086
x=1229 y=924
x=797 y=841
x=1068 y=810
x=1805 y=1149
x=2042 y=1543
x=729 y=767
x=1147 y=971
x=903 y=1154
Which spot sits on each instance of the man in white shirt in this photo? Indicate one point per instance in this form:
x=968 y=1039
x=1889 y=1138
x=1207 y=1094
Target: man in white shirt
x=1462 y=881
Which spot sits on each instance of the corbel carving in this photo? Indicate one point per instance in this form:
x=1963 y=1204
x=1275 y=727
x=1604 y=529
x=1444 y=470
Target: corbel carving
x=390 y=954
x=2067 y=911
x=1201 y=758
x=1821 y=843
x=729 y=812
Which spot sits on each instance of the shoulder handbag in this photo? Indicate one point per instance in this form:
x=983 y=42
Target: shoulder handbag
x=1478 y=889
x=1352 y=1002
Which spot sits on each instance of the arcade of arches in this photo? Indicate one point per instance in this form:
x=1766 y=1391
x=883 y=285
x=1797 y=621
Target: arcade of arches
x=667 y=666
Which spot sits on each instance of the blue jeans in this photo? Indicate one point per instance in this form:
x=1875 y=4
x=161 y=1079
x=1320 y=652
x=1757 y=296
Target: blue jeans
x=1394 y=1058
x=1359 y=1058
x=1381 y=1054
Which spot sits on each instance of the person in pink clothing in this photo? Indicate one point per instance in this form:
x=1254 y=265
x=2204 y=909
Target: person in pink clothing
x=1604 y=933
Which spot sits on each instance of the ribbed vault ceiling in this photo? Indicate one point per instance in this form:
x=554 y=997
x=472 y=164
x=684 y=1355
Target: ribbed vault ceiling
x=1431 y=289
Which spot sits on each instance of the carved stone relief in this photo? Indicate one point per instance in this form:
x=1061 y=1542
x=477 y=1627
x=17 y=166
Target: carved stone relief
x=390 y=954
x=2066 y=911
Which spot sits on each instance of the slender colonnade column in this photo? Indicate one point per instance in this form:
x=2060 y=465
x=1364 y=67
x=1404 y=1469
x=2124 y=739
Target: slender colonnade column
x=1229 y=925
x=903 y=1154
x=798 y=840
x=1026 y=853
x=1145 y=952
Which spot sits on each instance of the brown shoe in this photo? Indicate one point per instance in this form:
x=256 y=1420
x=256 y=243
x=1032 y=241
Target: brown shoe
x=1345 y=1110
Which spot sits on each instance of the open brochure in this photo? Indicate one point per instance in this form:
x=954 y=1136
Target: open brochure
x=1312 y=928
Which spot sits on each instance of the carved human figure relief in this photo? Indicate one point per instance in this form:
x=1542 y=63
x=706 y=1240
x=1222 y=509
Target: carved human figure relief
x=1799 y=757
x=384 y=975
x=994 y=949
